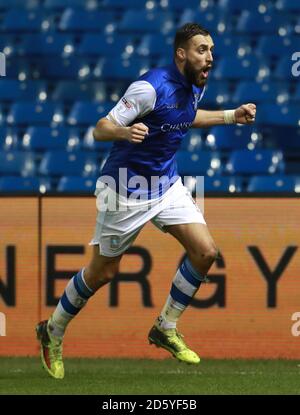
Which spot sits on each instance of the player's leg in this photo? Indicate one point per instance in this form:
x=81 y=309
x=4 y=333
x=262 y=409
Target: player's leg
x=185 y=222
x=79 y=289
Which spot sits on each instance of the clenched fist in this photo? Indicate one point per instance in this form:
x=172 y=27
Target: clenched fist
x=245 y=114
x=137 y=133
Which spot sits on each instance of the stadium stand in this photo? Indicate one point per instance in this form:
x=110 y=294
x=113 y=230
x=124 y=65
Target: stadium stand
x=69 y=61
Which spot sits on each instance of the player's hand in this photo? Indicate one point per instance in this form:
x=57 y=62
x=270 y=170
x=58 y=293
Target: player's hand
x=245 y=114
x=137 y=133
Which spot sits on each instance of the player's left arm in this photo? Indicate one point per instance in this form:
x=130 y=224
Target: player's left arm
x=245 y=114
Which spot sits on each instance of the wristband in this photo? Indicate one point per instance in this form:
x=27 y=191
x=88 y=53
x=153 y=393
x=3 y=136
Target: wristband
x=229 y=117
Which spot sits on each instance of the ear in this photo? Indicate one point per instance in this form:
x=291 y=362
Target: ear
x=180 y=53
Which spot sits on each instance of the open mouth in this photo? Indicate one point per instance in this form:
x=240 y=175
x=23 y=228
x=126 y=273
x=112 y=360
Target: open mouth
x=205 y=72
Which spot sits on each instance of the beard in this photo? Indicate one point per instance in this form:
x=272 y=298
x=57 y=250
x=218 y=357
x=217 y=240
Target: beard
x=194 y=77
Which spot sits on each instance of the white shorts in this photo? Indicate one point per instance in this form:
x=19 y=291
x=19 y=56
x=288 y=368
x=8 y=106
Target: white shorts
x=116 y=230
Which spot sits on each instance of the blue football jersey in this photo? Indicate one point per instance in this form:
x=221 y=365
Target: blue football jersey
x=166 y=103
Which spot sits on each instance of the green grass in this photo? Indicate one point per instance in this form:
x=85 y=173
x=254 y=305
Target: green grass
x=126 y=376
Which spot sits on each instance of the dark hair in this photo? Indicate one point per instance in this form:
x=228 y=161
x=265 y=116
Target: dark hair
x=186 y=32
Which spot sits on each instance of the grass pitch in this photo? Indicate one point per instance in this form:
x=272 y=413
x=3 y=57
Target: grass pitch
x=125 y=376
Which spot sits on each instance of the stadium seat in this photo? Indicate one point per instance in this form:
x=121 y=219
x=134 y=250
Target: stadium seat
x=213 y=20
x=46 y=44
x=18 y=68
x=257 y=92
x=217 y=93
x=60 y=68
x=81 y=20
x=42 y=138
x=192 y=141
x=34 y=113
x=12 y=4
x=222 y=184
x=20 y=20
x=233 y=137
x=59 y=163
x=260 y=23
x=69 y=91
x=14 y=90
x=276 y=46
x=87 y=113
x=8 y=138
x=24 y=184
x=274 y=114
x=231 y=46
x=296 y=95
x=153 y=45
x=120 y=4
x=99 y=44
x=275 y=183
x=89 y=143
x=139 y=21
x=239 y=68
x=255 y=162
x=287 y=138
x=283 y=70
x=204 y=162
x=63 y=4
x=8 y=44
x=77 y=184
x=17 y=163
x=117 y=69
x=288 y=5
x=237 y=6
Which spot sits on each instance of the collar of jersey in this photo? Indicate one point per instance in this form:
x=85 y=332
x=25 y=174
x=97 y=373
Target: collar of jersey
x=177 y=75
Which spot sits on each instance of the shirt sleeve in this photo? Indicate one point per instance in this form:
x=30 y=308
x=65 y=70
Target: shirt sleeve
x=138 y=100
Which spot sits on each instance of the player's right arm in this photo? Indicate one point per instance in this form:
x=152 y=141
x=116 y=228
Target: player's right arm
x=138 y=100
x=106 y=130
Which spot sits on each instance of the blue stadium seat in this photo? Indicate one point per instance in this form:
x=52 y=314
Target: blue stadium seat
x=63 y=4
x=257 y=92
x=283 y=69
x=227 y=137
x=117 y=69
x=277 y=46
x=228 y=45
x=120 y=4
x=59 y=163
x=75 y=91
x=65 y=68
x=296 y=95
x=212 y=20
x=87 y=113
x=24 y=184
x=77 y=184
x=217 y=93
x=42 y=138
x=155 y=45
x=139 y=21
x=99 y=44
x=238 y=68
x=275 y=183
x=287 y=138
x=34 y=113
x=89 y=143
x=20 y=20
x=204 y=162
x=255 y=162
x=237 y=6
x=46 y=44
x=288 y=5
x=8 y=44
x=14 y=90
x=18 y=68
x=180 y=5
x=274 y=114
x=81 y=20
x=17 y=162
x=12 y=4
x=256 y=23
x=192 y=141
x=222 y=184
x=8 y=138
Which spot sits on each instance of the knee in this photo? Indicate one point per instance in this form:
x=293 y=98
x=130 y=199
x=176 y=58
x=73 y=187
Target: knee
x=207 y=255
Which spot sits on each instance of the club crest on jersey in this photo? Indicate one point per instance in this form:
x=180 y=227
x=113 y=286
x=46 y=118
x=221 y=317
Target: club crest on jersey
x=114 y=242
x=196 y=100
x=126 y=103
